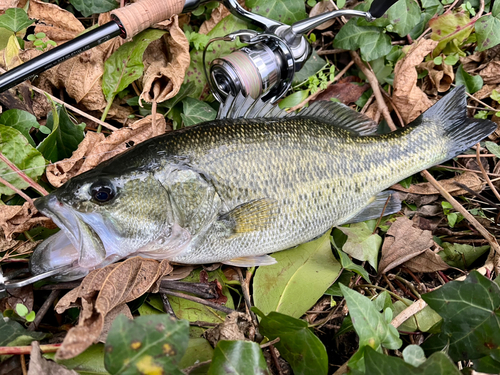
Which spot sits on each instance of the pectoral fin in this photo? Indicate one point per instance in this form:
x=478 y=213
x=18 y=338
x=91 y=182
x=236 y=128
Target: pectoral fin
x=250 y=216
x=386 y=201
x=251 y=261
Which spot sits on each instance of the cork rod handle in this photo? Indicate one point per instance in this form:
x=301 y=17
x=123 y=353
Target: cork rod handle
x=142 y=14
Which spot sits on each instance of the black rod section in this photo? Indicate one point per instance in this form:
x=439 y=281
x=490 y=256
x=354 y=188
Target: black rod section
x=59 y=54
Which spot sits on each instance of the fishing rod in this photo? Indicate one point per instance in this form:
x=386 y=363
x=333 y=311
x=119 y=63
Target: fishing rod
x=264 y=68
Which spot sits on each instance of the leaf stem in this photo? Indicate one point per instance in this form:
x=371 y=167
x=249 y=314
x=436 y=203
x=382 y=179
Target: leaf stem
x=24 y=176
x=17 y=350
x=105 y=113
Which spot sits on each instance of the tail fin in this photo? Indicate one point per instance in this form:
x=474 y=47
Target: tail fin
x=463 y=132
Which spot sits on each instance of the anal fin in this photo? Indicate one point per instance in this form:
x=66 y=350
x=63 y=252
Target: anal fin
x=250 y=216
x=251 y=261
x=376 y=206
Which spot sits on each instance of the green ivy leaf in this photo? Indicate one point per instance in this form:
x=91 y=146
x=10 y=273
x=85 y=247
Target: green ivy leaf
x=196 y=111
x=90 y=362
x=238 y=357
x=15 y=19
x=146 y=344
x=125 y=65
x=14 y=334
x=90 y=7
x=450 y=29
x=298 y=344
x=294 y=99
x=371 y=326
x=404 y=16
x=493 y=148
x=15 y=147
x=461 y=255
x=370 y=40
x=361 y=243
x=470 y=311
x=64 y=138
x=348 y=264
x=20 y=120
x=298 y=279
x=488 y=32
x=380 y=364
x=414 y=355
x=198 y=350
x=471 y=83
x=288 y=11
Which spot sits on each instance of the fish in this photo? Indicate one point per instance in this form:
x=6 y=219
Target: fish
x=255 y=181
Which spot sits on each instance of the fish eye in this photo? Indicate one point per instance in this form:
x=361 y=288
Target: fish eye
x=102 y=192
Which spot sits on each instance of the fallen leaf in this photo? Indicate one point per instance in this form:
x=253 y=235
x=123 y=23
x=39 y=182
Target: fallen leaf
x=474 y=62
x=110 y=318
x=469 y=179
x=345 y=92
x=23 y=295
x=165 y=63
x=39 y=365
x=491 y=73
x=17 y=219
x=428 y=261
x=362 y=243
x=403 y=241
x=237 y=326
x=486 y=91
x=179 y=273
x=320 y=8
x=409 y=99
x=218 y=14
x=102 y=291
x=95 y=148
x=440 y=76
x=474 y=165
x=6 y=4
x=81 y=75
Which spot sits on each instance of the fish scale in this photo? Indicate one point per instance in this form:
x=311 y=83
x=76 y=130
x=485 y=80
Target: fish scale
x=233 y=190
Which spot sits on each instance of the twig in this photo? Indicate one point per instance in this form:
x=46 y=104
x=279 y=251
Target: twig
x=269 y=343
x=372 y=79
x=166 y=305
x=275 y=359
x=213 y=305
x=330 y=51
x=411 y=310
x=23 y=365
x=43 y=310
x=24 y=176
x=465 y=170
x=20 y=192
x=483 y=171
x=202 y=290
x=74 y=109
x=17 y=350
x=466 y=214
x=313 y=96
x=189 y=369
x=246 y=296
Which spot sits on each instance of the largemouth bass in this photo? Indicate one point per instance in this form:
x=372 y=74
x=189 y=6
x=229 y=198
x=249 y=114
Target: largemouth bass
x=237 y=189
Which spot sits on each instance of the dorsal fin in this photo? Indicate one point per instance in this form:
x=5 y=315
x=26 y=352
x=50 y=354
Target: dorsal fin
x=333 y=113
x=340 y=115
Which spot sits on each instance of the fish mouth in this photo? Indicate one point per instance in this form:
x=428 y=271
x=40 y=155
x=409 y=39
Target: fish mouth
x=77 y=246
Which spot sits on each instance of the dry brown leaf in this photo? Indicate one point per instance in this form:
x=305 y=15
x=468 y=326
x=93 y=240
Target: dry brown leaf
x=237 y=326
x=474 y=62
x=6 y=4
x=403 y=242
x=440 y=77
x=409 y=99
x=102 y=291
x=469 y=179
x=485 y=91
x=110 y=318
x=165 y=63
x=17 y=219
x=95 y=148
x=428 y=261
x=218 y=14
x=39 y=365
x=320 y=8
x=81 y=75
x=346 y=92
x=474 y=165
x=491 y=74
x=22 y=295
x=179 y=273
